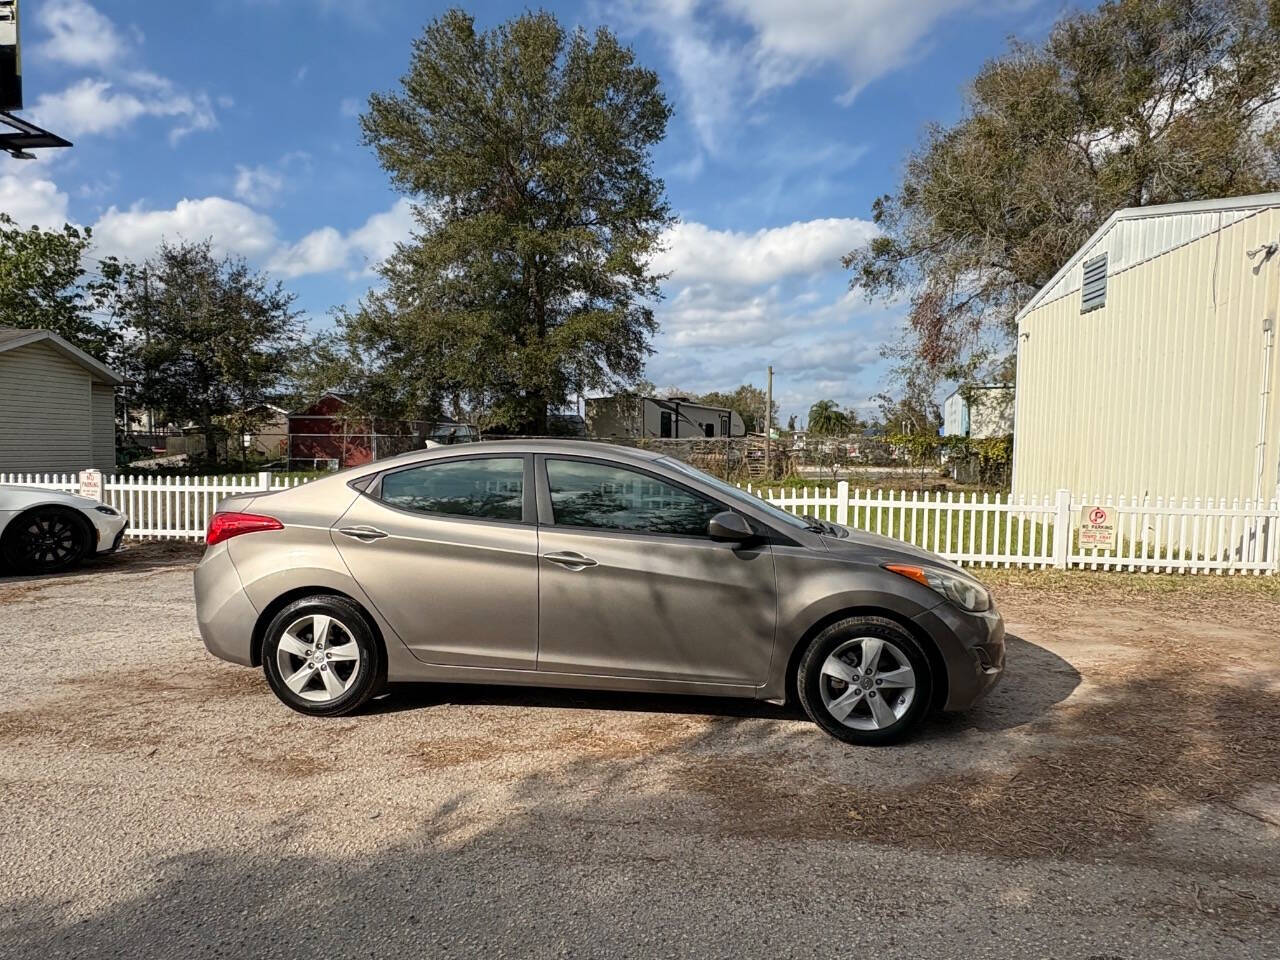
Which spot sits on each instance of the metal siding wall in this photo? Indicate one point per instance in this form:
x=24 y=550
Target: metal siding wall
x=1158 y=392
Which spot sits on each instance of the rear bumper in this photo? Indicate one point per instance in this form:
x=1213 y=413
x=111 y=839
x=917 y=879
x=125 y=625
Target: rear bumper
x=972 y=647
x=224 y=613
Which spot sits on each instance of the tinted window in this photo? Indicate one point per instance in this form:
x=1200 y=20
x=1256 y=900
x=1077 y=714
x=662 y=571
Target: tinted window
x=490 y=488
x=596 y=495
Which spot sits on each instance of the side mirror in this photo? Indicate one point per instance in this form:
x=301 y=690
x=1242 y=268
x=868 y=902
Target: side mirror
x=730 y=526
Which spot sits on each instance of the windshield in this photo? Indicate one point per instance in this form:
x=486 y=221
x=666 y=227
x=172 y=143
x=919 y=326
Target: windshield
x=736 y=493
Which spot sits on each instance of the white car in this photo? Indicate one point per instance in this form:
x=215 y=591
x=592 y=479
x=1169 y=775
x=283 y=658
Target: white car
x=44 y=531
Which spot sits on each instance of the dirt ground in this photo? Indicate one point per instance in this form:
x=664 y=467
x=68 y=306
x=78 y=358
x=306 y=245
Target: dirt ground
x=1118 y=796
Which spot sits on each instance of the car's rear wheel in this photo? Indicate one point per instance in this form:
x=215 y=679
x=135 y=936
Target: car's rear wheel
x=865 y=680
x=45 y=540
x=321 y=657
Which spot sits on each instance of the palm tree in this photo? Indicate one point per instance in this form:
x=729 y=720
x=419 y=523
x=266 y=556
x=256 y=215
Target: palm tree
x=827 y=419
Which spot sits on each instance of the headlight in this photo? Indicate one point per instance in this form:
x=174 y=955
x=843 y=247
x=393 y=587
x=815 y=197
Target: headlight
x=961 y=591
x=109 y=511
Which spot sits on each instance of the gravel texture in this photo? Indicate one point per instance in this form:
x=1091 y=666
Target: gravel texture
x=1118 y=796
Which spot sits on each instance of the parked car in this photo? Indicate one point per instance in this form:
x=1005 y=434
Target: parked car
x=575 y=564
x=45 y=531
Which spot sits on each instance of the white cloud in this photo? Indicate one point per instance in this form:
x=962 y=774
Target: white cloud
x=319 y=251
x=122 y=92
x=866 y=38
x=94 y=106
x=233 y=228
x=78 y=34
x=33 y=201
x=259 y=185
x=349 y=107
x=738 y=301
x=721 y=74
x=366 y=246
x=697 y=253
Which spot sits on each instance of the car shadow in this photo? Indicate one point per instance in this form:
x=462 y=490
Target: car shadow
x=1035 y=681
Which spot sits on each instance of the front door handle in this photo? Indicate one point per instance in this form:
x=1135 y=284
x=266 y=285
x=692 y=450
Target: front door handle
x=363 y=533
x=570 y=560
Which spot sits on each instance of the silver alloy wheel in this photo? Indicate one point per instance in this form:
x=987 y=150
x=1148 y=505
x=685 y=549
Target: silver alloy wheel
x=318 y=658
x=867 y=683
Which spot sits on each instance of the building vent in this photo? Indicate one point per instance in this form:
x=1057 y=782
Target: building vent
x=1093 y=292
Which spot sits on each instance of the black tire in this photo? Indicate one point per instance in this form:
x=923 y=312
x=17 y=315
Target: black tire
x=848 y=636
x=46 y=540
x=365 y=679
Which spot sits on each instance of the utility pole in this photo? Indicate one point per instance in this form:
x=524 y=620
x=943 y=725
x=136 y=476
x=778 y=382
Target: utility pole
x=768 y=427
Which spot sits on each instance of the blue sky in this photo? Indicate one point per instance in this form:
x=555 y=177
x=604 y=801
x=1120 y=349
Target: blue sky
x=235 y=120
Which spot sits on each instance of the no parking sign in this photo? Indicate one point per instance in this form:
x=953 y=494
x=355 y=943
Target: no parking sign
x=1098 y=527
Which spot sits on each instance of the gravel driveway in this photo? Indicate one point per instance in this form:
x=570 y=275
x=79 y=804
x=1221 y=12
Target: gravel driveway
x=1117 y=797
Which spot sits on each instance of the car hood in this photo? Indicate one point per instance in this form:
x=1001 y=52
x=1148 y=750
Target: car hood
x=47 y=495
x=885 y=549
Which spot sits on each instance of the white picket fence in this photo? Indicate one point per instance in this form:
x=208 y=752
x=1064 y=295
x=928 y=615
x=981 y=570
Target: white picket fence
x=161 y=508
x=1155 y=534
x=984 y=530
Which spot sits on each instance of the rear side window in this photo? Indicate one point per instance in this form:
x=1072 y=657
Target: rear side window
x=610 y=498
x=489 y=489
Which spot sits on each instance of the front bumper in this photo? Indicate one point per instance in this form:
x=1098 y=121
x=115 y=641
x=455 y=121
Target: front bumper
x=109 y=529
x=972 y=648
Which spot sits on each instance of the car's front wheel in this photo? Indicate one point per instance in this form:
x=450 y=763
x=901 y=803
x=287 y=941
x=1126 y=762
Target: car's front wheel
x=321 y=657
x=45 y=540
x=865 y=680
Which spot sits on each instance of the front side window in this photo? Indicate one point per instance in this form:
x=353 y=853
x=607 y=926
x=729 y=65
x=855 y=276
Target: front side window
x=611 y=498
x=488 y=489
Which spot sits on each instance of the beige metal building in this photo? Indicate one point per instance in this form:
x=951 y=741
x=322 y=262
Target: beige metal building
x=57 y=405
x=1146 y=366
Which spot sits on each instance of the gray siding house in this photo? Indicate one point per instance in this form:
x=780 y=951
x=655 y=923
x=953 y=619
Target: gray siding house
x=57 y=405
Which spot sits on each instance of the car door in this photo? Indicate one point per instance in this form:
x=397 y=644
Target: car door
x=447 y=550
x=632 y=585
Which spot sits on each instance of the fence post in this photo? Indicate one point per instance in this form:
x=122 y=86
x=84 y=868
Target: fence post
x=842 y=503
x=1062 y=530
x=264 y=479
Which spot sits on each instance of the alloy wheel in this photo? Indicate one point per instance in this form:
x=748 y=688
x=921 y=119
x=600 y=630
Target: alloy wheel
x=318 y=658
x=49 y=539
x=867 y=683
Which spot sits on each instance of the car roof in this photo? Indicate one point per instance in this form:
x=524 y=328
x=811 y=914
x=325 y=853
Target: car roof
x=518 y=445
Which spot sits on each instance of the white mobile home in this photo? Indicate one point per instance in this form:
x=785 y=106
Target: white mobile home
x=1146 y=366
x=631 y=415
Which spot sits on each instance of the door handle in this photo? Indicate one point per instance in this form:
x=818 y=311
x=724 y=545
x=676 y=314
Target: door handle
x=363 y=534
x=570 y=560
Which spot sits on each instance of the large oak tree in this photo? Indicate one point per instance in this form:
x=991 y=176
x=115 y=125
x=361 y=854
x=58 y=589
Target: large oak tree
x=526 y=152
x=1139 y=102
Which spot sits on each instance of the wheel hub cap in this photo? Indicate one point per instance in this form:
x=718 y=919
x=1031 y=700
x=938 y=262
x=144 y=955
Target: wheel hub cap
x=867 y=683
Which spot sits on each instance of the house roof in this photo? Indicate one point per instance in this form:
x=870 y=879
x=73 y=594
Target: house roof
x=11 y=338
x=1137 y=234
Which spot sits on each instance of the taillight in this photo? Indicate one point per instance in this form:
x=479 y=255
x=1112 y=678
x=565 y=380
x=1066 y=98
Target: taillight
x=224 y=526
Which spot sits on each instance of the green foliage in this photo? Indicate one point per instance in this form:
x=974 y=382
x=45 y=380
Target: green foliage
x=826 y=419
x=747 y=401
x=44 y=283
x=1138 y=102
x=210 y=338
x=527 y=152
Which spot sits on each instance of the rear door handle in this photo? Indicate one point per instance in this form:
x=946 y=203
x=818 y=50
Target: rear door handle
x=363 y=534
x=570 y=560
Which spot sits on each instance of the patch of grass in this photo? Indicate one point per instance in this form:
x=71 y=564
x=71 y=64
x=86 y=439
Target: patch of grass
x=1186 y=585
